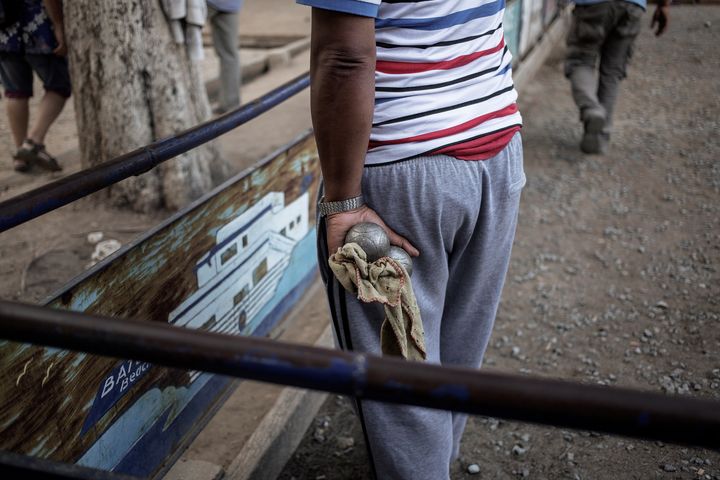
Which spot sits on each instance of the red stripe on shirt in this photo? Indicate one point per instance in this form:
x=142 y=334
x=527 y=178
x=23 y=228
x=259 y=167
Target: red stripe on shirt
x=411 y=67
x=481 y=148
x=509 y=110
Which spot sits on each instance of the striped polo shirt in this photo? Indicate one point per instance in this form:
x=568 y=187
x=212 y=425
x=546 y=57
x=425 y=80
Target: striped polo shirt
x=443 y=80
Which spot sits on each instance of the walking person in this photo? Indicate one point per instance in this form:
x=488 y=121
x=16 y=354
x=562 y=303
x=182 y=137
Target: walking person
x=223 y=15
x=417 y=129
x=601 y=38
x=32 y=38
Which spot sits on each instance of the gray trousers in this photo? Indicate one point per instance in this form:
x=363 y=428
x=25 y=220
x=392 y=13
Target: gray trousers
x=606 y=32
x=461 y=215
x=225 y=41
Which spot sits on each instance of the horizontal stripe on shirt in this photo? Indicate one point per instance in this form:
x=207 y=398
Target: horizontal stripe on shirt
x=445 y=109
x=438 y=23
x=444 y=43
x=482 y=147
x=411 y=67
x=472 y=149
x=509 y=110
x=416 y=88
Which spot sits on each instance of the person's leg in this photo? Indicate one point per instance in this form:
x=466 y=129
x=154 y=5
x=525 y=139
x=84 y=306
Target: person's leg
x=49 y=109
x=478 y=265
x=17 y=80
x=18 y=112
x=53 y=71
x=616 y=53
x=225 y=42
x=584 y=43
x=414 y=199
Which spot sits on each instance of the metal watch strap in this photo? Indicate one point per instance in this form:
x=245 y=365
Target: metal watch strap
x=328 y=208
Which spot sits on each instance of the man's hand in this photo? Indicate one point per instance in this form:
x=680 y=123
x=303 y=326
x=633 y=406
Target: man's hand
x=61 y=49
x=660 y=18
x=54 y=9
x=338 y=225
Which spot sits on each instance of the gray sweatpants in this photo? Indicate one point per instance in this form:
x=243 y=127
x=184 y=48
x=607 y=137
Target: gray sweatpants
x=225 y=41
x=461 y=215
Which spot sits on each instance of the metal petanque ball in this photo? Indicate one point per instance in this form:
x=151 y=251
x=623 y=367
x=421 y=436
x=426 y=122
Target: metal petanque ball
x=372 y=239
x=402 y=257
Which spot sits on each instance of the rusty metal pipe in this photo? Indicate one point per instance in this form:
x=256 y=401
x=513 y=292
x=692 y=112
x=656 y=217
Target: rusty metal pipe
x=32 y=204
x=613 y=410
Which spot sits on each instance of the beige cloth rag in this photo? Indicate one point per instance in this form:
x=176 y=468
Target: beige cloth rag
x=384 y=281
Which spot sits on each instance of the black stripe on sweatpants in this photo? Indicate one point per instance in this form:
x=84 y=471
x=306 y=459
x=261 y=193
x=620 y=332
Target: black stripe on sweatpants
x=329 y=280
x=358 y=403
x=332 y=285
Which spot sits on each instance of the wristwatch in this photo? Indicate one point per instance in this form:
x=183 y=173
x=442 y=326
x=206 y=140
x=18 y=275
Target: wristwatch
x=328 y=208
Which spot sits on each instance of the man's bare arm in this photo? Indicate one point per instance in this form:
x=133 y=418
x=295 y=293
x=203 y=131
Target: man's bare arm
x=342 y=69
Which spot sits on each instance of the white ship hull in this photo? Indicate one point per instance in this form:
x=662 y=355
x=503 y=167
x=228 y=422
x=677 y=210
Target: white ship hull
x=240 y=274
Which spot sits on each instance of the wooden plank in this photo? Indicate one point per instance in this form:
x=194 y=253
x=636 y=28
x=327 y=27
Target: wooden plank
x=235 y=261
x=275 y=439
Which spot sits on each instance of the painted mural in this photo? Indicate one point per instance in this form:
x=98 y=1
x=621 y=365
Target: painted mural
x=511 y=26
x=532 y=24
x=234 y=262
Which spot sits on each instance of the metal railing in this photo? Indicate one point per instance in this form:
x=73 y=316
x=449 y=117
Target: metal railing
x=613 y=410
x=32 y=204
x=15 y=466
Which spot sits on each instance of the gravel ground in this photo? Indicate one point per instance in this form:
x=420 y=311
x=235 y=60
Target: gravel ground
x=614 y=278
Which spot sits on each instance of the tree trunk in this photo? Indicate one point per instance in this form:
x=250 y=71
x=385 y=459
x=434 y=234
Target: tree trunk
x=133 y=84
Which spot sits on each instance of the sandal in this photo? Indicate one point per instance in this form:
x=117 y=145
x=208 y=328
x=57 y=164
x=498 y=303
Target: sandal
x=32 y=152
x=19 y=164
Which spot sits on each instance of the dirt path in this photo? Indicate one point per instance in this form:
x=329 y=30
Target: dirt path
x=615 y=274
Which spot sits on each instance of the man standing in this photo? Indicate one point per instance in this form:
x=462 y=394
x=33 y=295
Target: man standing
x=603 y=30
x=223 y=15
x=414 y=112
x=33 y=39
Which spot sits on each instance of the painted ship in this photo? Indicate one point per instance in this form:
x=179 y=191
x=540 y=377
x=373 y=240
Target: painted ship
x=240 y=274
x=235 y=261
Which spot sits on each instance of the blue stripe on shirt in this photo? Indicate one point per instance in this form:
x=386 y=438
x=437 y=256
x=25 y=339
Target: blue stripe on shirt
x=355 y=7
x=504 y=70
x=438 y=23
